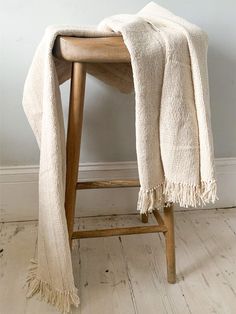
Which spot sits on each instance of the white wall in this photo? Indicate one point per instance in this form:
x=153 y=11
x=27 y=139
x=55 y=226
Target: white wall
x=109 y=116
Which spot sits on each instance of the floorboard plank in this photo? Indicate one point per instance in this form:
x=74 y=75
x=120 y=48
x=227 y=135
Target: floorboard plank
x=202 y=285
x=17 y=241
x=220 y=243
x=229 y=217
x=127 y=274
x=102 y=278
x=146 y=266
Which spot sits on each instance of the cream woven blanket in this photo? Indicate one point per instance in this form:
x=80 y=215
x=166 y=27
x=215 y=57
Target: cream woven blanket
x=173 y=132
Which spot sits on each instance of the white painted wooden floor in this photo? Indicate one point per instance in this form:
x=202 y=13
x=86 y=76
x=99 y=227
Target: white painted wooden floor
x=127 y=274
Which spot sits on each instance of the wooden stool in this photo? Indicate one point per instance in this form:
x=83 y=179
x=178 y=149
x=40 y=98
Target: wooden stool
x=80 y=51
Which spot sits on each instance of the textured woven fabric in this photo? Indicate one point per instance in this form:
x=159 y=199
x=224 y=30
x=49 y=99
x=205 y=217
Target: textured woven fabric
x=173 y=131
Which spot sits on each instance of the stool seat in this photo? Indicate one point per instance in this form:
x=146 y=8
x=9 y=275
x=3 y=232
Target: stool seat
x=92 y=50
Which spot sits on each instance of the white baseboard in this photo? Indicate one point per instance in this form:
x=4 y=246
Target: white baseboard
x=19 y=189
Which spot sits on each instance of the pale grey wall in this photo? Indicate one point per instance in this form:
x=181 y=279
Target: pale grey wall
x=109 y=115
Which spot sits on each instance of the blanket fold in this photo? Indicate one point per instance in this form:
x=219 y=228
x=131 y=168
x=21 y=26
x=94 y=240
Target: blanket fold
x=172 y=121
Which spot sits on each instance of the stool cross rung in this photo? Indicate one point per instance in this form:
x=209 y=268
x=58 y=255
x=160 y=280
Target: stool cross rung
x=117 y=231
x=159 y=227
x=107 y=184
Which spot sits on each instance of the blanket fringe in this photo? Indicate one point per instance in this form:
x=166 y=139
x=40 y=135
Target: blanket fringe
x=61 y=299
x=170 y=192
x=150 y=199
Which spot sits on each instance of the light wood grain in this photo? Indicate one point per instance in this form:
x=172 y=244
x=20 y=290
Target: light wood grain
x=96 y=233
x=74 y=134
x=214 y=236
x=127 y=274
x=157 y=215
x=170 y=242
x=102 y=277
x=17 y=245
x=204 y=288
x=146 y=266
x=107 y=184
x=103 y=49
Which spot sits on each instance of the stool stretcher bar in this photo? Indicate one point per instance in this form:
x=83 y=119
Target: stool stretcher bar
x=123 y=230
x=107 y=184
x=117 y=231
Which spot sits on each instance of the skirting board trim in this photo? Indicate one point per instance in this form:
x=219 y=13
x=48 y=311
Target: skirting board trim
x=19 y=189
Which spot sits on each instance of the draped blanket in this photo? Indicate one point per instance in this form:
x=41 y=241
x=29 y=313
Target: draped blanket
x=173 y=131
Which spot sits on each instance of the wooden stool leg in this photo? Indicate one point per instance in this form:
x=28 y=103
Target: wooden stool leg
x=75 y=120
x=170 y=243
x=144 y=218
